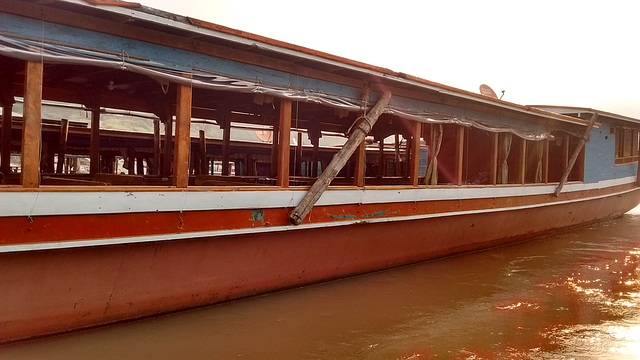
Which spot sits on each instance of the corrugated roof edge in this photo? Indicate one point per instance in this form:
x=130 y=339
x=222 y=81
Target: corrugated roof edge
x=589 y=110
x=382 y=71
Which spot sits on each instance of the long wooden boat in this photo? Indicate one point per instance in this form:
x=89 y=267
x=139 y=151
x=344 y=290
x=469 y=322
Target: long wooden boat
x=422 y=170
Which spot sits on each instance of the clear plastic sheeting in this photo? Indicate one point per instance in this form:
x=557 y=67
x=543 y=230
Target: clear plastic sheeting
x=57 y=54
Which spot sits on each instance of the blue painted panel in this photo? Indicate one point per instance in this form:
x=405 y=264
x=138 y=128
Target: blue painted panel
x=600 y=157
x=163 y=56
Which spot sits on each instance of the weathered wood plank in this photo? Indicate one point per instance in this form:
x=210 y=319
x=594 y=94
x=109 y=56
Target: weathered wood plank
x=32 y=123
x=183 y=137
x=360 y=130
x=284 y=146
x=415 y=154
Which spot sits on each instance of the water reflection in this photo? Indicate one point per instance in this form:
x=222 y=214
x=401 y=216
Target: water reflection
x=571 y=296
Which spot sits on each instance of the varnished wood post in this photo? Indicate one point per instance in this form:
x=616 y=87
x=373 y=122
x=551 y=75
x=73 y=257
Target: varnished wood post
x=576 y=152
x=545 y=162
x=94 y=165
x=157 y=147
x=284 y=147
x=274 y=148
x=226 y=140
x=459 y=154
x=360 y=129
x=202 y=147
x=494 y=158
x=5 y=151
x=168 y=145
x=522 y=166
x=358 y=174
x=32 y=123
x=183 y=137
x=415 y=154
x=62 y=145
x=397 y=168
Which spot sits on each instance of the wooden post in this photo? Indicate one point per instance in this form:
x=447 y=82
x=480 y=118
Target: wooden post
x=168 y=145
x=183 y=137
x=226 y=140
x=381 y=163
x=5 y=151
x=459 y=154
x=274 y=148
x=397 y=168
x=415 y=155
x=494 y=158
x=522 y=166
x=157 y=147
x=299 y=162
x=358 y=174
x=284 y=143
x=62 y=145
x=94 y=165
x=576 y=152
x=32 y=123
x=202 y=149
x=359 y=130
x=545 y=162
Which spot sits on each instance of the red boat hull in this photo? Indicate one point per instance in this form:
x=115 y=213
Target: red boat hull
x=65 y=289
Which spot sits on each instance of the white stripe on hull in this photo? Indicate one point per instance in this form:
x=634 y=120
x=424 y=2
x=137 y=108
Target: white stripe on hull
x=244 y=231
x=39 y=203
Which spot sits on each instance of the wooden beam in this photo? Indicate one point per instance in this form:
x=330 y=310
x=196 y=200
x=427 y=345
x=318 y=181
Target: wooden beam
x=274 y=148
x=168 y=145
x=415 y=154
x=183 y=136
x=62 y=144
x=225 y=123
x=459 y=154
x=202 y=149
x=358 y=174
x=576 y=152
x=32 y=123
x=284 y=147
x=5 y=150
x=522 y=166
x=545 y=162
x=94 y=165
x=494 y=158
x=157 y=147
x=359 y=130
x=381 y=163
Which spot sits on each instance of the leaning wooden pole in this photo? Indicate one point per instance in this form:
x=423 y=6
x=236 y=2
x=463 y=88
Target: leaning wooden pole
x=361 y=128
x=576 y=152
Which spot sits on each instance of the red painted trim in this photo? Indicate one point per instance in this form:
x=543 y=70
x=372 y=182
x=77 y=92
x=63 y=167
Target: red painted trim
x=56 y=228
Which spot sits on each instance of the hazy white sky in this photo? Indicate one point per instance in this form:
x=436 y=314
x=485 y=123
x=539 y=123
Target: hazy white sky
x=579 y=53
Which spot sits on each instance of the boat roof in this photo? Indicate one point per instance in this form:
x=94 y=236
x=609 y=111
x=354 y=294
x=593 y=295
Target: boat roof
x=579 y=111
x=143 y=16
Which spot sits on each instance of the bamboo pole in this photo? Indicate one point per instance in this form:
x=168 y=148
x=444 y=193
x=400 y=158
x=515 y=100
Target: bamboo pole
x=360 y=130
x=32 y=123
x=183 y=137
x=576 y=152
